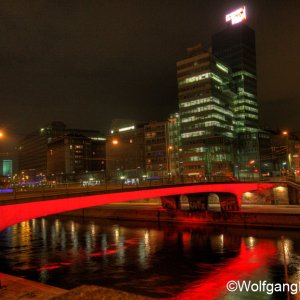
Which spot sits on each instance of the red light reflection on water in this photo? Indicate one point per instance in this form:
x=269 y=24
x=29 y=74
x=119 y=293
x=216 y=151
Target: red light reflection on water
x=238 y=268
x=114 y=250
x=65 y=263
x=107 y=252
x=49 y=268
x=54 y=266
x=110 y=251
x=131 y=242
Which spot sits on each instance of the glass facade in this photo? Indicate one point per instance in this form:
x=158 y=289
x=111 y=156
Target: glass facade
x=206 y=111
x=235 y=46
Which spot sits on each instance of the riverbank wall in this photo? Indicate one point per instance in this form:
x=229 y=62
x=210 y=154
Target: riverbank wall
x=12 y=287
x=239 y=218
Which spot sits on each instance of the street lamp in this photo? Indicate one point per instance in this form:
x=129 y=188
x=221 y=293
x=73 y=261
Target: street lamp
x=286 y=134
x=170 y=148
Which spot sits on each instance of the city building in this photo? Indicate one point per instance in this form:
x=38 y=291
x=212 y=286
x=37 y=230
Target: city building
x=75 y=157
x=7 y=161
x=175 y=143
x=7 y=166
x=254 y=155
x=284 y=153
x=205 y=96
x=136 y=150
x=162 y=148
x=125 y=151
x=33 y=149
x=235 y=46
x=157 y=150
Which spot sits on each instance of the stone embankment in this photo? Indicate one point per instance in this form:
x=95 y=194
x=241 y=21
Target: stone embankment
x=12 y=288
x=18 y=288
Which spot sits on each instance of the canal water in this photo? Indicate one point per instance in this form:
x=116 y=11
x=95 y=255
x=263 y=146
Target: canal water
x=157 y=260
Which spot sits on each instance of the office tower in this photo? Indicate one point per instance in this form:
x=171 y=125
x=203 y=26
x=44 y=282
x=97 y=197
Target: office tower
x=206 y=114
x=235 y=46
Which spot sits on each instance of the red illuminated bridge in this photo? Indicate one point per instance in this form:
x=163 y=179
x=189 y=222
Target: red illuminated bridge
x=229 y=194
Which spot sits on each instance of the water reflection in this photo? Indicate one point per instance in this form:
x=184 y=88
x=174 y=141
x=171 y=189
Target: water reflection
x=181 y=262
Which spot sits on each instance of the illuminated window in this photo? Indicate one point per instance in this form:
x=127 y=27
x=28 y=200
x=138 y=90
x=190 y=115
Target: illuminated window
x=244 y=73
x=199 y=101
x=222 y=67
x=208 y=107
x=193 y=134
x=199 y=78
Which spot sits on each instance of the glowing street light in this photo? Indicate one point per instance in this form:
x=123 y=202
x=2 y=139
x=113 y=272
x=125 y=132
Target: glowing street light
x=286 y=134
x=170 y=148
x=115 y=142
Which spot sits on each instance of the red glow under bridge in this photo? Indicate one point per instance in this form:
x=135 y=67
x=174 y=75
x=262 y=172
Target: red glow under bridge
x=15 y=213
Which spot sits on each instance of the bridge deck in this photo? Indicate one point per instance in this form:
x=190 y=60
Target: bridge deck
x=12 y=213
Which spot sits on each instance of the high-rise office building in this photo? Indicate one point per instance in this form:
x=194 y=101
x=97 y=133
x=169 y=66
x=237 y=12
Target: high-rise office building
x=206 y=114
x=235 y=46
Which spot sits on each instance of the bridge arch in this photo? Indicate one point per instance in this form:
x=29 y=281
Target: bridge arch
x=199 y=201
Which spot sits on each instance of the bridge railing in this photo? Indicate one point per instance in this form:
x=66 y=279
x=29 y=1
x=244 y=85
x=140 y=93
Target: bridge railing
x=72 y=188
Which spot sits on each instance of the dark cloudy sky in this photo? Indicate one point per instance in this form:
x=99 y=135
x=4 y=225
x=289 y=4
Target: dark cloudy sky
x=87 y=62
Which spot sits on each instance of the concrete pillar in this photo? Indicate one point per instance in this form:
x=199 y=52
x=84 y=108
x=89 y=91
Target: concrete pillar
x=293 y=195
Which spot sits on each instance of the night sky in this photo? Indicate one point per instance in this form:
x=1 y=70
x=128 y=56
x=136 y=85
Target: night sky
x=87 y=62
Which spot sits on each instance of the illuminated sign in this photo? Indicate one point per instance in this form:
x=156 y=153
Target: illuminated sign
x=236 y=16
x=126 y=128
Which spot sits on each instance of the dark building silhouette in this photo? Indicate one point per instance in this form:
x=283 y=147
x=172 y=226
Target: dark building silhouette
x=125 y=150
x=75 y=157
x=33 y=150
x=235 y=46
